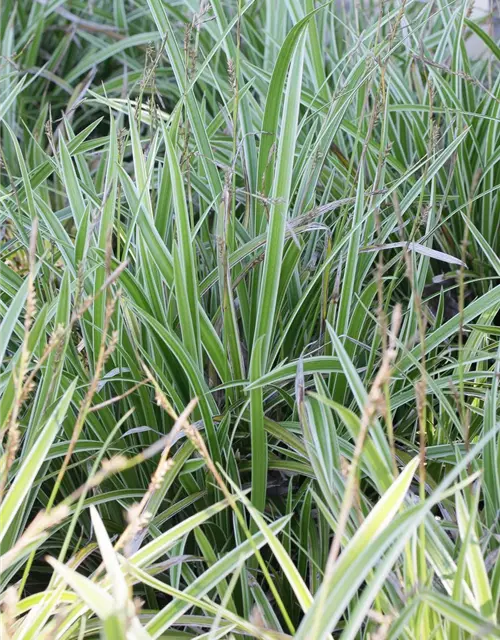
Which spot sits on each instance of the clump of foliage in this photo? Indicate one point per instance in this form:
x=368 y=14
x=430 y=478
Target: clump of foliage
x=250 y=332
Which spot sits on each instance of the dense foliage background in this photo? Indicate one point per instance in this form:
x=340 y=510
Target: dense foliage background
x=250 y=320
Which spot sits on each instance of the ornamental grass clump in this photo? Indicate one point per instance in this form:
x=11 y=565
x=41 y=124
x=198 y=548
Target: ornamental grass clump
x=250 y=320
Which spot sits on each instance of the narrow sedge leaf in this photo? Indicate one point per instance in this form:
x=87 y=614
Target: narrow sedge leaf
x=475 y=563
x=269 y=284
x=160 y=545
x=110 y=559
x=11 y=317
x=465 y=617
x=187 y=276
x=94 y=596
x=35 y=458
x=209 y=579
x=322 y=615
x=268 y=290
x=299 y=587
x=71 y=183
